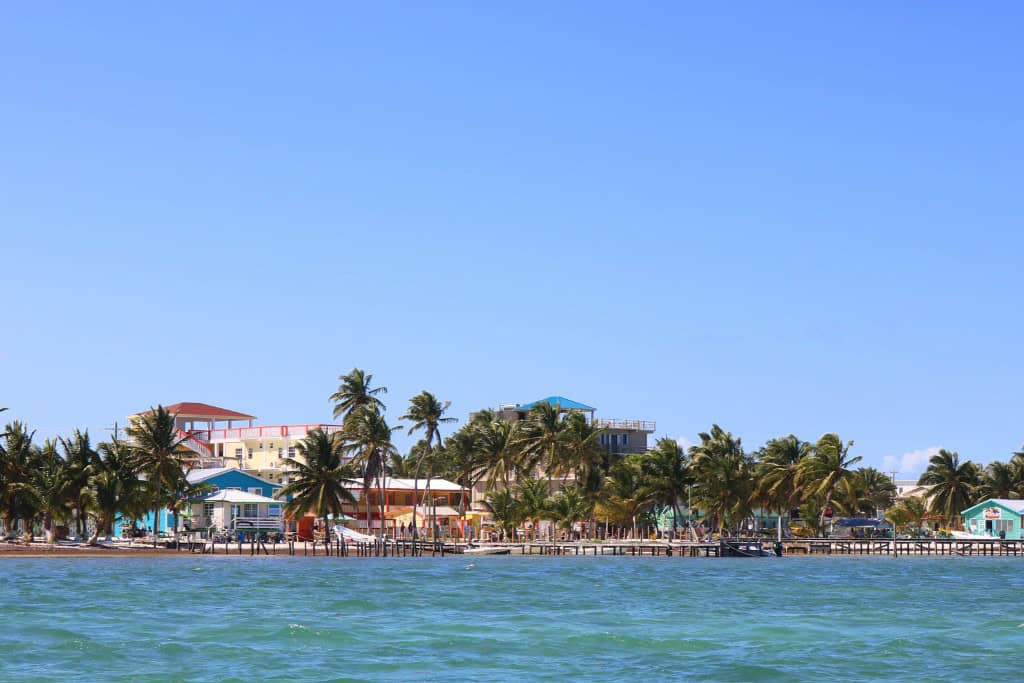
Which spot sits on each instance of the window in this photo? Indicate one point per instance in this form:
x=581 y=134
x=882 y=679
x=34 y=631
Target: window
x=232 y=488
x=261 y=447
x=625 y=439
x=280 y=452
x=250 y=454
x=258 y=490
x=249 y=510
x=604 y=439
x=615 y=439
x=208 y=510
x=238 y=453
x=291 y=451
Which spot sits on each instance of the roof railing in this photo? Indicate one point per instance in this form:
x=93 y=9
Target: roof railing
x=636 y=425
x=294 y=431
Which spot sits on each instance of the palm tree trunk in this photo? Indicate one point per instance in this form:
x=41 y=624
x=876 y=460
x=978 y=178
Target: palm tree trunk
x=327 y=536
x=824 y=506
x=156 y=513
x=95 y=532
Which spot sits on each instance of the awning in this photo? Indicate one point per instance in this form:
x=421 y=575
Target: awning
x=423 y=514
x=341 y=518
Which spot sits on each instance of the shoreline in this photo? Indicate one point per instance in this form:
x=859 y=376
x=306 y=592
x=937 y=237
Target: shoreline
x=678 y=550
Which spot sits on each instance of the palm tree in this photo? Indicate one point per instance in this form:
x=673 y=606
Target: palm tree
x=354 y=393
x=910 y=510
x=544 y=440
x=497 y=442
x=625 y=493
x=368 y=438
x=534 y=496
x=582 y=453
x=1001 y=480
x=723 y=475
x=53 y=485
x=462 y=463
x=19 y=458
x=952 y=484
x=777 y=472
x=428 y=414
x=320 y=479
x=82 y=462
x=116 y=487
x=569 y=507
x=666 y=470
x=505 y=508
x=822 y=472
x=155 y=444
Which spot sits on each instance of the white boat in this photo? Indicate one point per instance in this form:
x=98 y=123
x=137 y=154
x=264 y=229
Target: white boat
x=486 y=550
x=353 y=536
x=965 y=536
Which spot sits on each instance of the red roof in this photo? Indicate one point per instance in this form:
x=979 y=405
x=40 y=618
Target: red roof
x=205 y=411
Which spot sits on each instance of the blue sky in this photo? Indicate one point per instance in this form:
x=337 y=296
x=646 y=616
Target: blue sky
x=790 y=218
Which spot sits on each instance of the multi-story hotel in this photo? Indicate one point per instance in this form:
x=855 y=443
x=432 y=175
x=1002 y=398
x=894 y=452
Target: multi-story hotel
x=617 y=436
x=218 y=437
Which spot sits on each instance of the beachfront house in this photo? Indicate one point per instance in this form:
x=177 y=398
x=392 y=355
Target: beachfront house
x=443 y=503
x=996 y=517
x=207 y=510
x=233 y=512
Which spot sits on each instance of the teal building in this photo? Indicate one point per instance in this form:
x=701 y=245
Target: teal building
x=996 y=517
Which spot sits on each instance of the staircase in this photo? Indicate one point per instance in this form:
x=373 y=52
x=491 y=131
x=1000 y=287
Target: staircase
x=204 y=452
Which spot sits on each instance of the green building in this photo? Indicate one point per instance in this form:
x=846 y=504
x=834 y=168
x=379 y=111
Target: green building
x=996 y=517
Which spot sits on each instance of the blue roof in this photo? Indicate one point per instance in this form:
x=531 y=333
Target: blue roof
x=562 y=401
x=859 y=521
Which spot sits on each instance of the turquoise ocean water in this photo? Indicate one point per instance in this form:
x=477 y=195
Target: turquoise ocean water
x=312 y=619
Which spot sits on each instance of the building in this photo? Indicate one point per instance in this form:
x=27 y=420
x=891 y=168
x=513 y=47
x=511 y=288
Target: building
x=617 y=436
x=212 y=438
x=446 y=501
x=907 y=488
x=238 y=513
x=996 y=517
x=232 y=496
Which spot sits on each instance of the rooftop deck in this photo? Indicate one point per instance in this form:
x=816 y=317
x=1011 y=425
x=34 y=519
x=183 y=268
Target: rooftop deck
x=293 y=431
x=630 y=425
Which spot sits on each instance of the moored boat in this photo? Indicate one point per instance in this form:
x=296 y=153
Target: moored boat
x=486 y=550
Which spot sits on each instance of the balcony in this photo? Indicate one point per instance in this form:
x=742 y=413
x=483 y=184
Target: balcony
x=626 y=425
x=290 y=432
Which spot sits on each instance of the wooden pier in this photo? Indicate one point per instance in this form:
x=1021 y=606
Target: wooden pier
x=994 y=547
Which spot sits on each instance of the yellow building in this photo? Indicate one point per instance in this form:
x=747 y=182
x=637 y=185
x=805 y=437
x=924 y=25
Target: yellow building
x=218 y=437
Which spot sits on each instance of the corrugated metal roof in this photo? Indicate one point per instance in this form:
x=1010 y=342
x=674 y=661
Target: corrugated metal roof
x=199 y=475
x=561 y=401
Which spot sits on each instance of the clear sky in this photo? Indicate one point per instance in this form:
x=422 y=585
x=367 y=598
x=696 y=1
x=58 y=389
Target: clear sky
x=795 y=217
